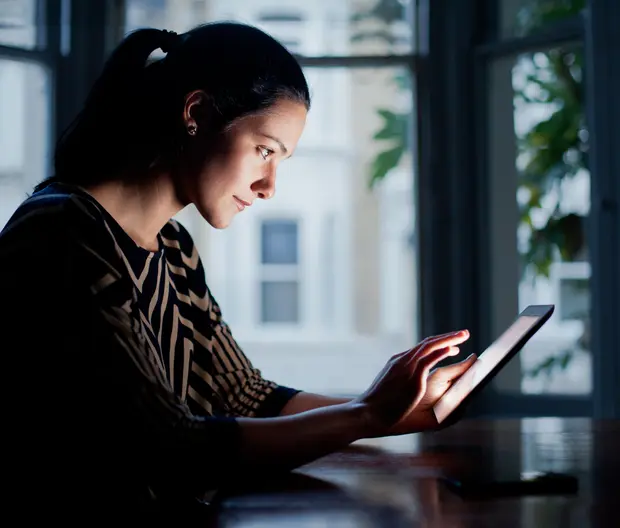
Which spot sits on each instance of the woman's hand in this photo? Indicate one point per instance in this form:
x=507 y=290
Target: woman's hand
x=305 y=432
x=403 y=383
x=422 y=417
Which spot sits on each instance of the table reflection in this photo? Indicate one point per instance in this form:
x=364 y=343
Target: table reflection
x=396 y=482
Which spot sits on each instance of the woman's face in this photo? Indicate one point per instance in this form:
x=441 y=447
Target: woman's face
x=242 y=167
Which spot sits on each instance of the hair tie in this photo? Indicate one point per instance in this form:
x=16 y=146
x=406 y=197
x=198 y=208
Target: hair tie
x=170 y=41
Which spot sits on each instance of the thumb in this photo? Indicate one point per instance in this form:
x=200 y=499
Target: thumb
x=457 y=369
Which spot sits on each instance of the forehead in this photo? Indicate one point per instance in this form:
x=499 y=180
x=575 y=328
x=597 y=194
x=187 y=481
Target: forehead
x=285 y=120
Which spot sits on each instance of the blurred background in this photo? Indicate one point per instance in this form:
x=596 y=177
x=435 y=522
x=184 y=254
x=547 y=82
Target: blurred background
x=459 y=163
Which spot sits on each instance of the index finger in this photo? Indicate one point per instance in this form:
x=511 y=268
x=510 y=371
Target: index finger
x=439 y=342
x=422 y=343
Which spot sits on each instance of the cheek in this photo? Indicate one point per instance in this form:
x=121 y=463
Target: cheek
x=241 y=171
x=227 y=176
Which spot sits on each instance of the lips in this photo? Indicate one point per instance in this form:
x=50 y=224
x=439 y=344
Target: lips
x=241 y=204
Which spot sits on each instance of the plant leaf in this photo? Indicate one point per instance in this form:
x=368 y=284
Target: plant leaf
x=394 y=126
x=384 y=162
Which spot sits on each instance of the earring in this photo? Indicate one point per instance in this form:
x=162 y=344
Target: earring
x=192 y=129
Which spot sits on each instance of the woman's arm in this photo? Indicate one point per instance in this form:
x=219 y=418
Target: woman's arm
x=394 y=394
x=287 y=442
x=307 y=401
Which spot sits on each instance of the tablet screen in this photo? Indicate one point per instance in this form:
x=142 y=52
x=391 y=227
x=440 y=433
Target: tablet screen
x=483 y=366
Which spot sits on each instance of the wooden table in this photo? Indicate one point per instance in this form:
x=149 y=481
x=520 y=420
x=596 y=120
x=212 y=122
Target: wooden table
x=394 y=482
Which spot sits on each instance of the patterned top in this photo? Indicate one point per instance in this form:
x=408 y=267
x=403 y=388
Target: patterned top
x=125 y=349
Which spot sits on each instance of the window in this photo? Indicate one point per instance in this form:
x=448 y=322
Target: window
x=18 y=23
x=553 y=198
x=280 y=301
x=519 y=18
x=287 y=27
x=25 y=96
x=279 y=242
x=280 y=17
x=279 y=286
x=537 y=95
x=572 y=282
x=317 y=28
x=154 y=13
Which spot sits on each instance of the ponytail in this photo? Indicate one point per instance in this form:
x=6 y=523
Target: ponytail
x=99 y=140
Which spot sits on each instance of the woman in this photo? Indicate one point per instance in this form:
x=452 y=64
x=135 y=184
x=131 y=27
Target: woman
x=125 y=379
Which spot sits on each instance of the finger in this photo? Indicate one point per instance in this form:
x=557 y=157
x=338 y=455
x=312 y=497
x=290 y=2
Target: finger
x=401 y=354
x=439 y=342
x=443 y=336
x=422 y=368
x=446 y=352
x=423 y=365
x=427 y=341
x=428 y=361
x=413 y=349
x=456 y=370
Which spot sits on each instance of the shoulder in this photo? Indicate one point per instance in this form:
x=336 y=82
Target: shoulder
x=47 y=213
x=55 y=226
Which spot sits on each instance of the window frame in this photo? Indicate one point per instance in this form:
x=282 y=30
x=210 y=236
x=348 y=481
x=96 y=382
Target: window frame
x=44 y=54
x=72 y=48
x=456 y=249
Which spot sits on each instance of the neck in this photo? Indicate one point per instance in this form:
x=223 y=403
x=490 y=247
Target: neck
x=140 y=208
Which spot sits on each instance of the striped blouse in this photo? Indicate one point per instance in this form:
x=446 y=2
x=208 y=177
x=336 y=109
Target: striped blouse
x=127 y=356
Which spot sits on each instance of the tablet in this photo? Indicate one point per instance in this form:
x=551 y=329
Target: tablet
x=493 y=359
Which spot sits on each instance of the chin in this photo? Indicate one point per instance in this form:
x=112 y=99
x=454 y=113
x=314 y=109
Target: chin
x=220 y=225
x=217 y=221
x=217 y=215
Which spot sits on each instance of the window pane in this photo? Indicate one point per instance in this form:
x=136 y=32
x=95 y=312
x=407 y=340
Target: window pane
x=523 y=17
x=24 y=126
x=554 y=200
x=280 y=302
x=317 y=28
x=574 y=299
x=279 y=242
x=18 y=23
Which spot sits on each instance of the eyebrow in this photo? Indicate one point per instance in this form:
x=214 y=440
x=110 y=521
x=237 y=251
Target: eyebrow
x=280 y=144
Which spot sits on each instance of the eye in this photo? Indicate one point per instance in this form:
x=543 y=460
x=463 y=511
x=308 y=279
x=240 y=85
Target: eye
x=265 y=152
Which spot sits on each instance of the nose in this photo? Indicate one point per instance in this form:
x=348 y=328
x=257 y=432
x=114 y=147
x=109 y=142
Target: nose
x=265 y=188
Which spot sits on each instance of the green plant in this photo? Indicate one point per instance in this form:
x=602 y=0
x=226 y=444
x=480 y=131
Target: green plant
x=386 y=12
x=550 y=152
x=393 y=131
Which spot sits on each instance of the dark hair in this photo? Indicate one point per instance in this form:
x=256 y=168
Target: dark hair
x=132 y=118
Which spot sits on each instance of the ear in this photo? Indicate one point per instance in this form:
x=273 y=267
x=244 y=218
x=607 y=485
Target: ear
x=195 y=109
